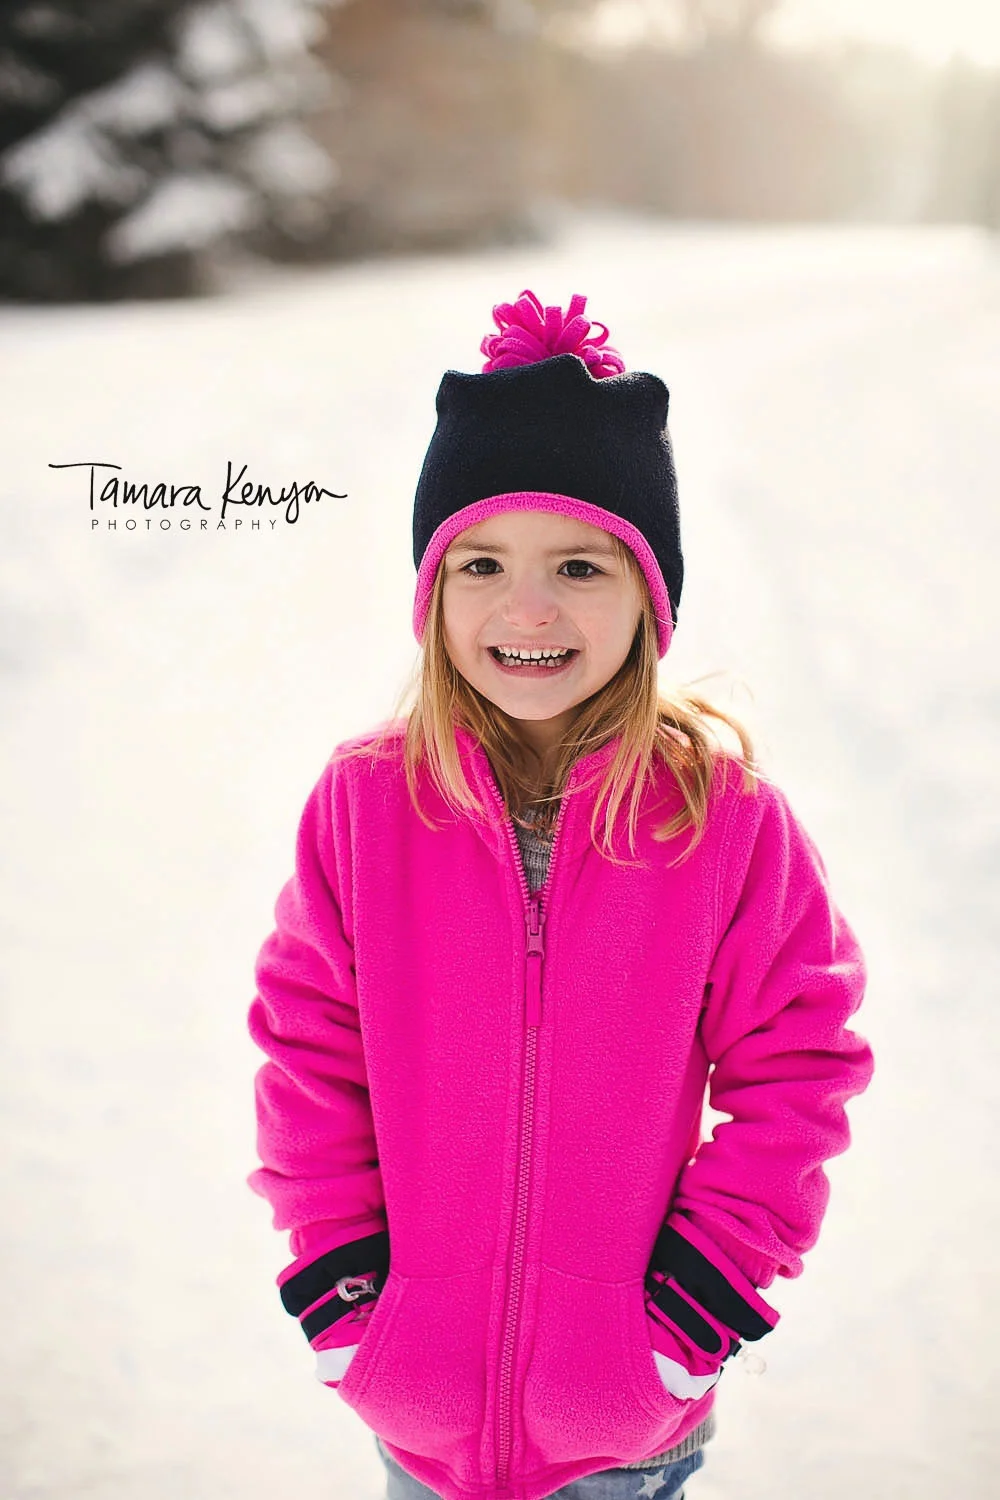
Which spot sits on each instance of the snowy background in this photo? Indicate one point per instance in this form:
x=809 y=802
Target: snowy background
x=169 y=698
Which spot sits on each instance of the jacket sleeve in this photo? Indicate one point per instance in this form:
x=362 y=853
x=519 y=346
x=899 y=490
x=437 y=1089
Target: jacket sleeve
x=786 y=976
x=315 y=1134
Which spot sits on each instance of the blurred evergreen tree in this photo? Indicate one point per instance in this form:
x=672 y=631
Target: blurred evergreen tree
x=139 y=136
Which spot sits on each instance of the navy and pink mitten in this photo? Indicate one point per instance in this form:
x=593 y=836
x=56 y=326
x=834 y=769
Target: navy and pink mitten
x=700 y=1305
x=332 y=1295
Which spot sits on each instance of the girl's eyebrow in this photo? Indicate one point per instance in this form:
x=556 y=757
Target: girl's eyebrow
x=600 y=549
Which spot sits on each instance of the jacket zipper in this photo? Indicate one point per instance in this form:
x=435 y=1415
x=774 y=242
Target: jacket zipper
x=534 y=957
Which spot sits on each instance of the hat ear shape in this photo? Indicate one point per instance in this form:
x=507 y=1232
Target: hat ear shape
x=530 y=332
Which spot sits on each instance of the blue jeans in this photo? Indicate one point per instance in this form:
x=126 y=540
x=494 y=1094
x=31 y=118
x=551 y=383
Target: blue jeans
x=660 y=1481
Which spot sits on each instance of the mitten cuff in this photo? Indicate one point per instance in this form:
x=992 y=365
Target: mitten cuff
x=709 y=1274
x=308 y=1241
x=321 y=1289
x=698 y=1288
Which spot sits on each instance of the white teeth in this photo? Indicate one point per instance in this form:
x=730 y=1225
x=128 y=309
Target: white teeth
x=531 y=656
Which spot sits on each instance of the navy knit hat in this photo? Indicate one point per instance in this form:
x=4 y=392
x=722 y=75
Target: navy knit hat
x=553 y=422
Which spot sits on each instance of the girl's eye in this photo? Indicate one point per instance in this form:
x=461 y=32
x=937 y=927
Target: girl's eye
x=573 y=562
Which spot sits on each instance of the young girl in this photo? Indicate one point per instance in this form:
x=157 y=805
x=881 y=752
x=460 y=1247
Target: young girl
x=529 y=922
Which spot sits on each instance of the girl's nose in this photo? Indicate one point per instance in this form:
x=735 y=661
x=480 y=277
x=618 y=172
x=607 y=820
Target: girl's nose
x=528 y=604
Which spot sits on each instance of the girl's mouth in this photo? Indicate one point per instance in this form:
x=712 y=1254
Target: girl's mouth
x=536 y=668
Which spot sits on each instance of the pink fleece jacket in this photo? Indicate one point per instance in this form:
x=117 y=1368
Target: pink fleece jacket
x=511 y=1086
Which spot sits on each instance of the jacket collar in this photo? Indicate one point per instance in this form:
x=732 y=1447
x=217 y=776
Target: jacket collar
x=586 y=773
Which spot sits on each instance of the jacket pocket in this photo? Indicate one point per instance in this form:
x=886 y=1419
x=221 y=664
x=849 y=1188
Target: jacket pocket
x=591 y=1388
x=418 y=1378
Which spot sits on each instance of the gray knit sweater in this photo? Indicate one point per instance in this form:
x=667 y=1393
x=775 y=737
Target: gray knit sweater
x=535 y=857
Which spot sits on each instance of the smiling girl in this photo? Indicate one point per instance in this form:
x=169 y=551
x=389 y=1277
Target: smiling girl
x=531 y=920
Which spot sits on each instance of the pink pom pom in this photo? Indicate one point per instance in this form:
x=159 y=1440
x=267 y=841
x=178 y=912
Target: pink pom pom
x=530 y=332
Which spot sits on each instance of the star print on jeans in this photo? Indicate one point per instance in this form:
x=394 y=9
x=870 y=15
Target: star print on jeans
x=652 y=1483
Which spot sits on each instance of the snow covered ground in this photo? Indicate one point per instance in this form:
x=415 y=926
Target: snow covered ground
x=167 y=699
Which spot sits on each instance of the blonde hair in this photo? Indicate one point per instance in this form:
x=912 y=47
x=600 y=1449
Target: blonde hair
x=655 y=726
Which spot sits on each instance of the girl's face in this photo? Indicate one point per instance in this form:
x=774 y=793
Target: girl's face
x=533 y=580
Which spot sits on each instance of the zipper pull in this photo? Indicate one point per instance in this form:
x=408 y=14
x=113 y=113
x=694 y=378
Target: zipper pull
x=533 y=970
